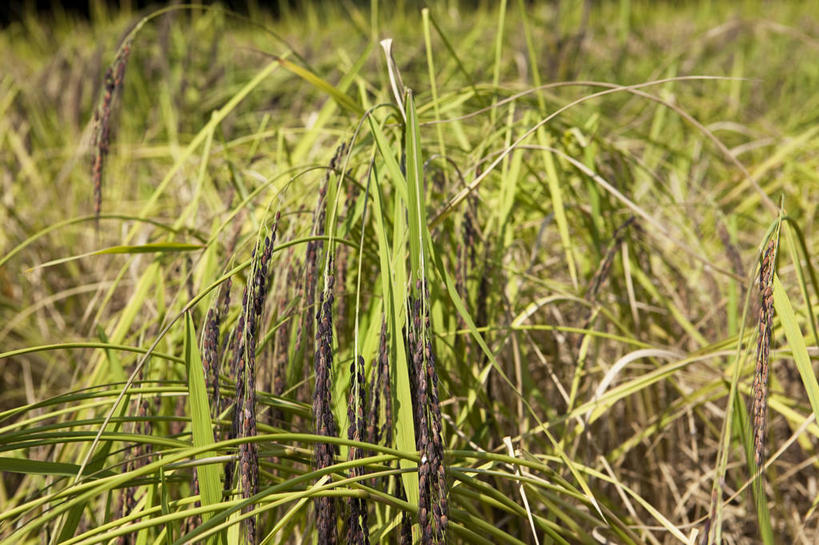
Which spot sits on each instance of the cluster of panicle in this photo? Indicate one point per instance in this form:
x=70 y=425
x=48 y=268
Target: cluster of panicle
x=405 y=532
x=237 y=348
x=358 y=530
x=342 y=253
x=194 y=521
x=189 y=282
x=177 y=426
x=405 y=538
x=213 y=349
x=731 y=250
x=281 y=343
x=322 y=409
x=381 y=386
x=603 y=270
x=433 y=501
x=244 y=372
x=760 y=388
x=236 y=234
x=137 y=456
x=114 y=77
x=465 y=264
x=482 y=297
x=467 y=251
x=313 y=256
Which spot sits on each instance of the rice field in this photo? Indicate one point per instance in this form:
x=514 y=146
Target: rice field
x=362 y=272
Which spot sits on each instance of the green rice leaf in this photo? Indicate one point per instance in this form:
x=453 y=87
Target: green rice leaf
x=797 y=344
x=201 y=424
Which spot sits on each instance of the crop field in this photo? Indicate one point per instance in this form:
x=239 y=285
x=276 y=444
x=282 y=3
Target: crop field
x=368 y=272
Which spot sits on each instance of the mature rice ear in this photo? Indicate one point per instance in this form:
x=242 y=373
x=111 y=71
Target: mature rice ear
x=248 y=452
x=322 y=409
x=243 y=370
x=433 y=499
x=380 y=387
x=466 y=248
x=114 y=79
x=602 y=273
x=136 y=456
x=281 y=339
x=358 y=531
x=212 y=353
x=342 y=253
x=193 y=522
x=406 y=530
x=759 y=409
x=313 y=259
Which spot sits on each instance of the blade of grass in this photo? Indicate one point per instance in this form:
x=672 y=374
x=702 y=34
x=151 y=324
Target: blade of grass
x=202 y=427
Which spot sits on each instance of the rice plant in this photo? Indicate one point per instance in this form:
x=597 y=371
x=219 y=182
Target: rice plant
x=370 y=273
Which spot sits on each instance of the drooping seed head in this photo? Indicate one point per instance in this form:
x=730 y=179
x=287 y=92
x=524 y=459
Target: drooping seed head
x=114 y=79
x=759 y=407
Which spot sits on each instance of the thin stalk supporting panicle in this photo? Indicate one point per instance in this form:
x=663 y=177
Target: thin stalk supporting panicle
x=759 y=409
x=244 y=372
x=433 y=501
x=322 y=409
x=114 y=78
x=358 y=530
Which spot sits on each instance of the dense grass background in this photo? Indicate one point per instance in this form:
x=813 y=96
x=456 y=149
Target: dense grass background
x=585 y=190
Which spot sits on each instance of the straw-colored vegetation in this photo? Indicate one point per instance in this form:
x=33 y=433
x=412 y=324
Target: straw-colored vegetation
x=524 y=274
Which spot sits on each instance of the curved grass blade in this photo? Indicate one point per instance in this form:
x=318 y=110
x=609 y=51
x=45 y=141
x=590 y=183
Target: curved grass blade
x=152 y=248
